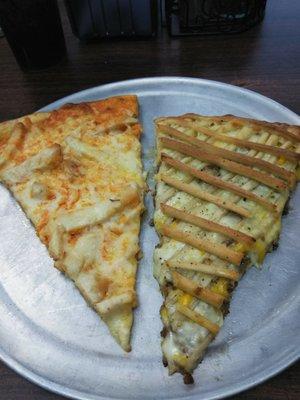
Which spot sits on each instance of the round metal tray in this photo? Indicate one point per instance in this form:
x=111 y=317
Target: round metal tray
x=50 y=336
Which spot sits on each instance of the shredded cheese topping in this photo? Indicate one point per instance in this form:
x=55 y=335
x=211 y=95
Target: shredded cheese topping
x=77 y=173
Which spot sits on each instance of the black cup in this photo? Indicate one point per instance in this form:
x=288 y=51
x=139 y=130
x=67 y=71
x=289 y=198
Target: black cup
x=34 y=32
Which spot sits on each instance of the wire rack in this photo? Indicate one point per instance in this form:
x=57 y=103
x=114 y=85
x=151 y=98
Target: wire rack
x=196 y=17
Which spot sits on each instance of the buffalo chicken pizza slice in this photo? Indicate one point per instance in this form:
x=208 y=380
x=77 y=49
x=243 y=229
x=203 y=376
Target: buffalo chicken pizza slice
x=222 y=186
x=77 y=174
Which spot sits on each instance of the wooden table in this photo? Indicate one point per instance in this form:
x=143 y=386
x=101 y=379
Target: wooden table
x=265 y=59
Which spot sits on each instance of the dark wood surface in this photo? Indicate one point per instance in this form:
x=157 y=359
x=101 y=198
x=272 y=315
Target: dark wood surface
x=265 y=59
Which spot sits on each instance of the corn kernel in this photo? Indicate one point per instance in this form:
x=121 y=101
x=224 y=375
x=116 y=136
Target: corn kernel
x=180 y=358
x=240 y=247
x=281 y=160
x=221 y=287
x=185 y=299
x=164 y=314
x=260 y=250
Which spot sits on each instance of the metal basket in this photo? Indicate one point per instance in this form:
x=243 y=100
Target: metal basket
x=200 y=17
x=98 y=19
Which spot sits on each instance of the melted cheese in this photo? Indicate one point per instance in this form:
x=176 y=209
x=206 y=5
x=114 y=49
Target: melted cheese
x=78 y=176
x=185 y=340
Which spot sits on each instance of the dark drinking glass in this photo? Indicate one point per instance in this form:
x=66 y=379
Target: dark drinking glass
x=34 y=32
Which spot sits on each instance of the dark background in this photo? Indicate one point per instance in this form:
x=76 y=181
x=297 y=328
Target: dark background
x=265 y=59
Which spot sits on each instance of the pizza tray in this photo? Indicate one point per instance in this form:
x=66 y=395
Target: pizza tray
x=50 y=336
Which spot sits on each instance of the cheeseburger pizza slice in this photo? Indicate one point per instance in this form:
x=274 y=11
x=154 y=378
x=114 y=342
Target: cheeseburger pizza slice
x=77 y=174
x=222 y=186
